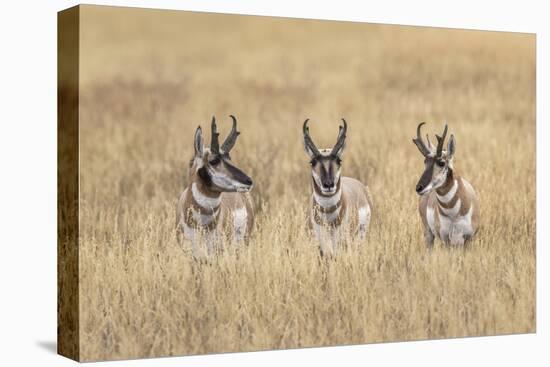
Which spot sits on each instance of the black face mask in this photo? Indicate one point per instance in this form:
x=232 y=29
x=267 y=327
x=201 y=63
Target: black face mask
x=205 y=176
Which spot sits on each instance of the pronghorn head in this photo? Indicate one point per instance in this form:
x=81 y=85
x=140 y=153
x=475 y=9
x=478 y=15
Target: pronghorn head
x=326 y=163
x=213 y=165
x=438 y=163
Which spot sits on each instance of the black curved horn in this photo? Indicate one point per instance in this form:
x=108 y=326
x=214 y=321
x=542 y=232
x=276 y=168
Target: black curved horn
x=308 y=141
x=232 y=137
x=426 y=151
x=440 y=141
x=214 y=143
x=340 y=141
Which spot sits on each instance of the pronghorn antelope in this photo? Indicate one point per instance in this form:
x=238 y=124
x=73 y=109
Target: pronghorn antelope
x=340 y=206
x=216 y=201
x=448 y=204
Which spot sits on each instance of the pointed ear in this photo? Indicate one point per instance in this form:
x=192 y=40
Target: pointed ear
x=340 y=151
x=198 y=142
x=451 y=147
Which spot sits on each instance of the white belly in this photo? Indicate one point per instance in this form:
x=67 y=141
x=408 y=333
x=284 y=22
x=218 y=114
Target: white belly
x=240 y=220
x=204 y=243
x=188 y=232
x=364 y=214
x=453 y=230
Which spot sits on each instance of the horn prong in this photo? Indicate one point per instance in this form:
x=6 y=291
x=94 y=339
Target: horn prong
x=440 y=142
x=340 y=141
x=429 y=142
x=232 y=137
x=425 y=150
x=310 y=145
x=214 y=142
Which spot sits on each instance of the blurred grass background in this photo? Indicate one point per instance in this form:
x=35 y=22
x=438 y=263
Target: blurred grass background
x=149 y=77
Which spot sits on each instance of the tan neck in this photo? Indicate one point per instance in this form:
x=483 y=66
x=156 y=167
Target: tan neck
x=202 y=205
x=447 y=186
x=449 y=194
x=328 y=208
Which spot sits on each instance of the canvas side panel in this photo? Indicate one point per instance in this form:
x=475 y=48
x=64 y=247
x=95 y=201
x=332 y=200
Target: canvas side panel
x=67 y=182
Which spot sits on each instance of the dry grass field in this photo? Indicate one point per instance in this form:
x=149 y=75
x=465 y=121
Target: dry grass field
x=148 y=78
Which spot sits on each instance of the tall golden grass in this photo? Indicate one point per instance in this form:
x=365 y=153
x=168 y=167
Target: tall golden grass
x=148 y=78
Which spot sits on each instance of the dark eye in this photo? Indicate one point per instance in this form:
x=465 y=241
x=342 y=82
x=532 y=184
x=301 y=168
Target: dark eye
x=441 y=163
x=215 y=161
x=313 y=162
x=338 y=161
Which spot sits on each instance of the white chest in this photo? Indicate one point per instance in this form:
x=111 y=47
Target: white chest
x=323 y=230
x=239 y=225
x=453 y=229
x=329 y=237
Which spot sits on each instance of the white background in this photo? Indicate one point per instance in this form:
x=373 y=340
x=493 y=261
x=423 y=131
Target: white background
x=28 y=182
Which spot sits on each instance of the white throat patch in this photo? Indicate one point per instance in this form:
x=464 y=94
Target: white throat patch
x=203 y=200
x=451 y=212
x=328 y=201
x=450 y=195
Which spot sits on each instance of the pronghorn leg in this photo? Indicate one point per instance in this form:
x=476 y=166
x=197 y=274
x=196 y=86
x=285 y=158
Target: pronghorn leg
x=197 y=250
x=429 y=237
x=326 y=247
x=240 y=219
x=321 y=235
x=327 y=244
x=180 y=236
x=362 y=233
x=335 y=241
x=200 y=244
x=240 y=238
x=191 y=235
x=211 y=241
x=364 y=221
x=456 y=237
